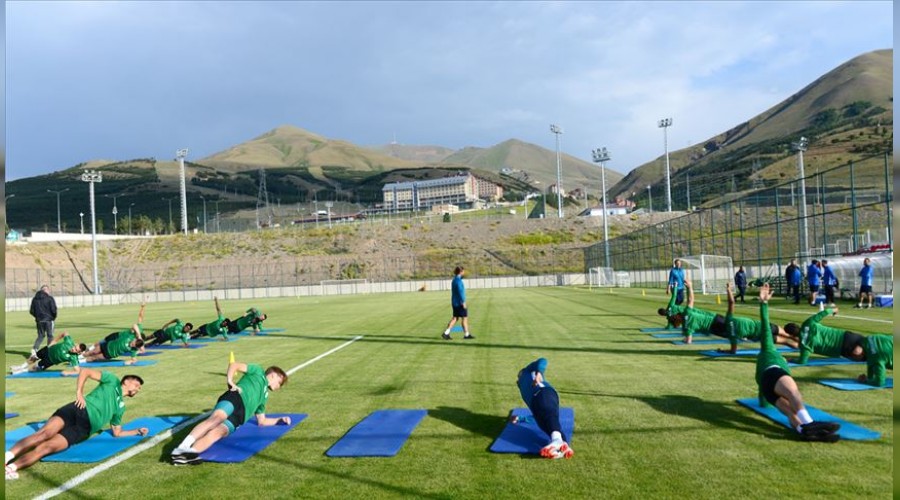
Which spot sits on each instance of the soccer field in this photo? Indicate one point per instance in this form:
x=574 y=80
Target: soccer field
x=652 y=419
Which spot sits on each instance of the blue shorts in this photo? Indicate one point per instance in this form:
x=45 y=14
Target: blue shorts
x=460 y=312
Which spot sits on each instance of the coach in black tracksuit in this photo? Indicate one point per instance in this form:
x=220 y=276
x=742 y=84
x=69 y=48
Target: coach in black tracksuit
x=43 y=308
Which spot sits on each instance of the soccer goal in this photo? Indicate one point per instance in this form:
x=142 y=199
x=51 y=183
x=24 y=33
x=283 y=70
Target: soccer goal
x=344 y=287
x=601 y=277
x=708 y=273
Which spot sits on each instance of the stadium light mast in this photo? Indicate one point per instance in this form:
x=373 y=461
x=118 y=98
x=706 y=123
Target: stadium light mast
x=801 y=146
x=650 y=198
x=115 y=212
x=555 y=129
x=664 y=124
x=92 y=176
x=600 y=156
x=58 y=221
x=179 y=155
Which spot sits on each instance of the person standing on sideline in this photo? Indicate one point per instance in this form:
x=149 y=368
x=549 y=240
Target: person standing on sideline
x=676 y=281
x=829 y=282
x=793 y=275
x=740 y=281
x=458 y=302
x=43 y=308
x=543 y=402
x=866 y=274
x=814 y=279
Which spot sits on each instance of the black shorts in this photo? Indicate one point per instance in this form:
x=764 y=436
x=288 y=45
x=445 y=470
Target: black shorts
x=160 y=337
x=460 y=312
x=112 y=336
x=813 y=288
x=232 y=327
x=237 y=416
x=104 y=350
x=774 y=328
x=852 y=340
x=865 y=289
x=202 y=331
x=769 y=379
x=76 y=423
x=719 y=326
x=43 y=356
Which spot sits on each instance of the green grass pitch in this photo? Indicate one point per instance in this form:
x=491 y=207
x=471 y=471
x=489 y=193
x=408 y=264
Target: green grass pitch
x=652 y=420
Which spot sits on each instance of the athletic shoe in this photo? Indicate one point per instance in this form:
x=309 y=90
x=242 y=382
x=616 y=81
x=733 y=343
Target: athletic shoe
x=818 y=428
x=445 y=336
x=868 y=306
x=187 y=459
x=11 y=475
x=468 y=337
x=823 y=438
x=566 y=451
x=857 y=306
x=551 y=451
x=181 y=451
x=33 y=353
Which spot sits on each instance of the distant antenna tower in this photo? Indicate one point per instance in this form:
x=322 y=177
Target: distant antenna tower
x=262 y=198
x=394 y=146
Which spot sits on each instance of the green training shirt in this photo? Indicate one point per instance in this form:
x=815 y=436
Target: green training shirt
x=254 y=391
x=740 y=327
x=820 y=339
x=879 y=355
x=174 y=332
x=215 y=328
x=105 y=404
x=59 y=353
x=768 y=353
x=121 y=345
x=696 y=320
x=248 y=319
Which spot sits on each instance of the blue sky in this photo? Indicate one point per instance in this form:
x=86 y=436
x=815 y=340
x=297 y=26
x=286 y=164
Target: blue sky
x=120 y=80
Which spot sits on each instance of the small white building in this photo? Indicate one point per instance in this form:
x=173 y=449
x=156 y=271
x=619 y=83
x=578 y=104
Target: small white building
x=598 y=211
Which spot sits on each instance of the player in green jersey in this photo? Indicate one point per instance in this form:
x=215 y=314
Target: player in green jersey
x=878 y=352
x=238 y=404
x=738 y=328
x=130 y=341
x=62 y=350
x=218 y=326
x=778 y=388
x=79 y=420
x=170 y=332
x=252 y=318
x=697 y=320
x=816 y=338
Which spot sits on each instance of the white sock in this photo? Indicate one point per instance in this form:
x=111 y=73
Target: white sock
x=12 y=467
x=804 y=417
x=447 y=331
x=8 y=458
x=555 y=437
x=188 y=442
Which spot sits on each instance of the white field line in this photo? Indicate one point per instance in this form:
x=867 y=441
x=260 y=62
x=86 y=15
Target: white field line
x=839 y=315
x=88 y=474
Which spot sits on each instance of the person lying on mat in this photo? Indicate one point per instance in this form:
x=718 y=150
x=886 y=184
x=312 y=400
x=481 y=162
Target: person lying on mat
x=62 y=350
x=671 y=309
x=739 y=328
x=543 y=401
x=240 y=402
x=252 y=318
x=218 y=326
x=118 y=343
x=697 y=320
x=879 y=355
x=170 y=332
x=814 y=337
x=778 y=388
x=79 y=420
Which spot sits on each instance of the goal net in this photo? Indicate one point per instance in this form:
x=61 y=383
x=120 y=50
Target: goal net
x=708 y=273
x=601 y=276
x=344 y=287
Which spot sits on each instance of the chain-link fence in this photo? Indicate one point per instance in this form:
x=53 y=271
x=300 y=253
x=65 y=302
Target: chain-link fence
x=844 y=210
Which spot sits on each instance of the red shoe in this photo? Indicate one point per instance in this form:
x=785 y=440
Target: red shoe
x=566 y=451
x=551 y=451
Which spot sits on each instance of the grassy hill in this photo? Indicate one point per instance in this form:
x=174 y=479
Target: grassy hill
x=847 y=114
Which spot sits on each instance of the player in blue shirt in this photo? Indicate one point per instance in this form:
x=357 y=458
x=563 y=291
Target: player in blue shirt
x=866 y=275
x=543 y=401
x=458 y=302
x=829 y=282
x=676 y=281
x=793 y=275
x=814 y=279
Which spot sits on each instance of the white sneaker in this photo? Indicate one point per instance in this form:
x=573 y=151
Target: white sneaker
x=33 y=353
x=181 y=451
x=11 y=475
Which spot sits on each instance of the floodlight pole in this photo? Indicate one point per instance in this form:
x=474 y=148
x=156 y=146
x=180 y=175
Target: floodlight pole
x=81 y=215
x=115 y=212
x=555 y=129
x=180 y=154
x=664 y=124
x=58 y=221
x=130 y=222
x=328 y=205
x=92 y=176
x=650 y=198
x=602 y=155
x=204 y=212
x=801 y=146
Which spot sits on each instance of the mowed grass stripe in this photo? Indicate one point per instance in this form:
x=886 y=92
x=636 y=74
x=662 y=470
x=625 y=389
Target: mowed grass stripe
x=652 y=419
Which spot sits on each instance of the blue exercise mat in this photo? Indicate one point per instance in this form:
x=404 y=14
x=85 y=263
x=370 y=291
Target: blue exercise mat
x=848 y=430
x=147 y=353
x=851 y=384
x=101 y=446
x=743 y=352
x=457 y=328
x=176 y=346
x=657 y=329
x=675 y=335
x=43 y=374
x=381 y=434
x=249 y=439
x=217 y=338
x=826 y=362
x=526 y=437
x=717 y=340
x=261 y=332
x=117 y=362
x=10 y=394
x=11 y=415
